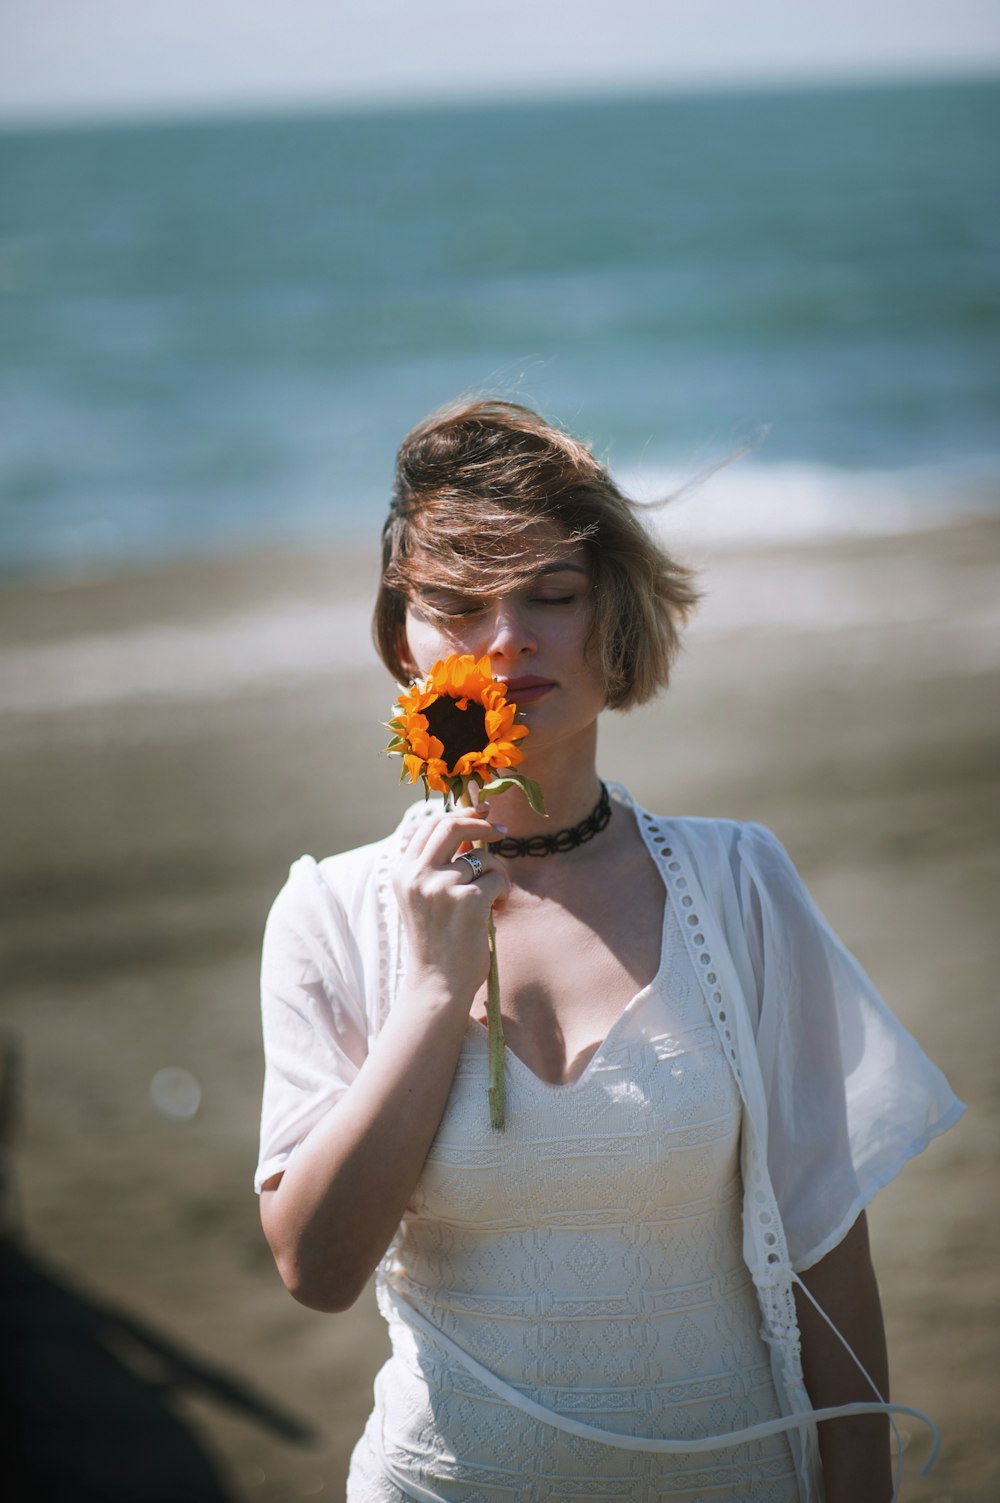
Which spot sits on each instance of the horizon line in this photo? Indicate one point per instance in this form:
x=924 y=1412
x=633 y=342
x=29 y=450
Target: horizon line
x=400 y=101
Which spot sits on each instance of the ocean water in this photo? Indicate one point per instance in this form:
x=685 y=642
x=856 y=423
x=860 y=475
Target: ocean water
x=214 y=334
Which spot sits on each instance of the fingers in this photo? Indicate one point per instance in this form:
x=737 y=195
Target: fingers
x=480 y=869
x=439 y=839
x=445 y=903
x=490 y=890
x=433 y=856
x=429 y=865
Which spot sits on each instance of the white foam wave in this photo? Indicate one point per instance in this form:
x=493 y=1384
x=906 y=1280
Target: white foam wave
x=746 y=504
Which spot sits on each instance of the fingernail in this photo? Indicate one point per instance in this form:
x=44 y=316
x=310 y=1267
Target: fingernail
x=497 y=826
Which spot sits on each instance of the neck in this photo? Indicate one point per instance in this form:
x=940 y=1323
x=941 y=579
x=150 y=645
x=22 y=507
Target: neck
x=570 y=787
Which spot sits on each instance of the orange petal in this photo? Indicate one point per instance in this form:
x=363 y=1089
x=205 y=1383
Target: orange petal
x=500 y=725
x=497 y=723
x=414 y=766
x=428 y=747
x=435 y=773
x=465 y=679
x=437 y=679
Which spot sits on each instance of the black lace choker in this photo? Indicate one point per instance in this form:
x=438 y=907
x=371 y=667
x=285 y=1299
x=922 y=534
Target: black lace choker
x=562 y=840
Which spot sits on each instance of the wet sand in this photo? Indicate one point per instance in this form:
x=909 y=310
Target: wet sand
x=173 y=740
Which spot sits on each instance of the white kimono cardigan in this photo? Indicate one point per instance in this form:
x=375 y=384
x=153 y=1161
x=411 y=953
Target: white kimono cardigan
x=836 y=1094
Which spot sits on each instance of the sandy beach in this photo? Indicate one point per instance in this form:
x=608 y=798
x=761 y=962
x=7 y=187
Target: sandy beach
x=173 y=740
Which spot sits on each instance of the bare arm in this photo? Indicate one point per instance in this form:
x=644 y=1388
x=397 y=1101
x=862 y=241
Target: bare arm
x=332 y=1213
x=855 y=1453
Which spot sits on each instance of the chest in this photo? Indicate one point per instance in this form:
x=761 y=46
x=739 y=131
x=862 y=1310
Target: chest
x=569 y=965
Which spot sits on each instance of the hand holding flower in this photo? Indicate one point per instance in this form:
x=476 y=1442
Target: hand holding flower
x=456 y=729
x=446 y=916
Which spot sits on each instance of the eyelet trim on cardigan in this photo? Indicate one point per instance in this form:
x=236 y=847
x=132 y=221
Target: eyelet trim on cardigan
x=672 y=870
x=776 y=1255
x=775 y=1290
x=386 y=967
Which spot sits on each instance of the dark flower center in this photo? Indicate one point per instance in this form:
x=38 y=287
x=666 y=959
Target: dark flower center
x=459 y=731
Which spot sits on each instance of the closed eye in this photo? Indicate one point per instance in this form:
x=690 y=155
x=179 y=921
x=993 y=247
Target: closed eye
x=447 y=607
x=458 y=612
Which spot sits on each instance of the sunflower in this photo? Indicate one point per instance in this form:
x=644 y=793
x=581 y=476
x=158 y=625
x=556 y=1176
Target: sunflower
x=456 y=726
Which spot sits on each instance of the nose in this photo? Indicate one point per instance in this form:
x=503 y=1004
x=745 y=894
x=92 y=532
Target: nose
x=510 y=635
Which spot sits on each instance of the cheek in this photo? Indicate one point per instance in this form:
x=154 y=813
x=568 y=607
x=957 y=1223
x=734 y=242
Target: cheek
x=423 y=644
x=580 y=641
x=590 y=659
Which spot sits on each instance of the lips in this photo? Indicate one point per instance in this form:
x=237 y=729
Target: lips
x=524 y=691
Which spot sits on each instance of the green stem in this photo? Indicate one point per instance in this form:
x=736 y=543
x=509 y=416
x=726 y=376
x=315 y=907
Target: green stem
x=494 y=1022
x=495 y=1039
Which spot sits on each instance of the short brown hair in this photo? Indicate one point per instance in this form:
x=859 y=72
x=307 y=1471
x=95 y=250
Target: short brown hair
x=472 y=479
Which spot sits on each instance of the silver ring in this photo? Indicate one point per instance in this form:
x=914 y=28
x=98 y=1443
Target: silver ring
x=475 y=865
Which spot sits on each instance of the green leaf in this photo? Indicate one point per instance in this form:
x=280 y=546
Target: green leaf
x=505 y=780
x=396 y=744
x=459 y=787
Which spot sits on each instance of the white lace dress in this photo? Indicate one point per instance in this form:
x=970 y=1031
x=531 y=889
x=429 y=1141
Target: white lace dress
x=590 y=1259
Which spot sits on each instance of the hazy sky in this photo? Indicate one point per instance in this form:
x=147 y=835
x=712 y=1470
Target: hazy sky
x=85 y=57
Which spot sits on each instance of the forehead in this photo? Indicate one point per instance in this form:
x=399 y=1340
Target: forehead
x=498 y=564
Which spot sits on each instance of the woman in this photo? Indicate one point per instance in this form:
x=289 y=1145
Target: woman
x=666 y=1246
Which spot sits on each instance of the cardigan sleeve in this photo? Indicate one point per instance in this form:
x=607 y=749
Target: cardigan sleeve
x=850 y=1094
x=313 y=1014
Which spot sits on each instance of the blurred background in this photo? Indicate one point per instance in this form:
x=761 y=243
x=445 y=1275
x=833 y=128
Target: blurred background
x=242 y=251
